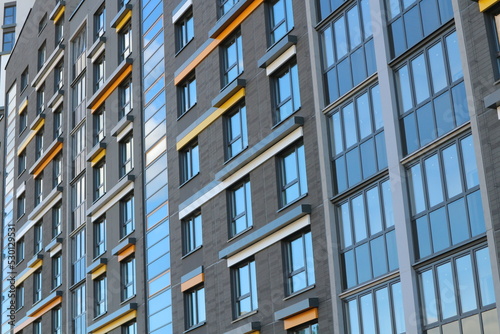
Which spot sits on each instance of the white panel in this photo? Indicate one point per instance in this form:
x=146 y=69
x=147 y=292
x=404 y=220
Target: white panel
x=126 y=130
x=182 y=10
x=112 y=201
x=56 y=249
x=278 y=62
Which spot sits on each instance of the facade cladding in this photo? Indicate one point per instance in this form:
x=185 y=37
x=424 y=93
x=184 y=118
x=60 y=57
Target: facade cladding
x=253 y=166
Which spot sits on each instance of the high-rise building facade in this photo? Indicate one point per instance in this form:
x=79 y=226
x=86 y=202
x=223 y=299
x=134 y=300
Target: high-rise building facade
x=251 y=166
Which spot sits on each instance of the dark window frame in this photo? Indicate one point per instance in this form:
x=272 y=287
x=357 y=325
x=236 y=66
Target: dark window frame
x=246 y=214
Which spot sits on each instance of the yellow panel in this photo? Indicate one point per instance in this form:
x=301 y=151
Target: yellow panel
x=59 y=14
x=111 y=87
x=210 y=119
x=28 y=273
x=116 y=323
x=485 y=4
x=301 y=318
x=23 y=106
x=48 y=158
x=30 y=137
x=98 y=272
x=193 y=282
x=123 y=21
x=95 y=160
x=213 y=45
x=49 y=306
x=126 y=252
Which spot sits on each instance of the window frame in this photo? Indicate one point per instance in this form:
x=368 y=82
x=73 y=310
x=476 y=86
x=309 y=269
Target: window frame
x=11 y=17
x=42 y=55
x=186 y=96
x=38 y=190
x=99 y=237
x=125 y=98
x=99 y=171
x=99 y=72
x=99 y=125
x=8 y=42
x=290 y=69
x=192 y=232
x=252 y=288
x=234 y=40
x=37 y=286
x=99 y=22
x=189 y=161
x=20 y=296
x=78 y=257
x=57 y=170
x=126 y=146
x=298 y=150
x=56 y=271
x=38 y=238
x=125 y=42
x=247 y=214
x=195 y=307
x=56 y=220
x=100 y=296
x=307 y=259
x=239 y=112
x=127 y=216
x=21 y=205
x=57 y=327
x=183 y=27
x=287 y=20
x=127 y=281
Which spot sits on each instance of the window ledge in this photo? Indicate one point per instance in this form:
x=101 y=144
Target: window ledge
x=56 y=99
x=46 y=204
x=121 y=125
x=236 y=236
x=297 y=293
x=192 y=328
x=181 y=9
x=187 y=181
x=296 y=308
x=53 y=244
x=191 y=252
x=283 y=208
x=95 y=151
x=59 y=6
x=227 y=92
x=108 y=319
x=47 y=156
x=244 y=316
x=102 y=261
x=8 y=26
x=248 y=328
x=277 y=50
x=47 y=67
x=38 y=119
x=122 y=245
x=228 y=18
x=95 y=50
x=112 y=196
x=122 y=13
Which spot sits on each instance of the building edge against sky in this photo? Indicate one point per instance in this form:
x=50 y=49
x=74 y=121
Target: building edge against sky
x=252 y=166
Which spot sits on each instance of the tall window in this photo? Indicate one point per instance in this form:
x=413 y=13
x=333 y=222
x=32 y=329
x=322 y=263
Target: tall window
x=232 y=59
x=244 y=288
x=187 y=95
x=78 y=202
x=128 y=278
x=299 y=263
x=20 y=250
x=39 y=144
x=39 y=189
x=459 y=287
x=24 y=79
x=126 y=155
x=59 y=33
x=286 y=92
x=56 y=271
x=78 y=306
x=23 y=121
x=42 y=54
x=236 y=133
x=99 y=237
x=127 y=224
x=226 y=5
x=58 y=76
x=240 y=208
x=79 y=93
x=100 y=290
x=99 y=179
x=368 y=239
x=37 y=327
x=37 y=286
x=293 y=177
x=190 y=162
x=125 y=42
x=42 y=24
x=21 y=165
x=99 y=67
x=38 y=238
x=57 y=166
x=195 y=307
x=280 y=19
x=357 y=139
x=408 y=24
x=79 y=143
x=9 y=15
x=184 y=28
x=57 y=327
x=382 y=305
x=99 y=123
x=78 y=46
x=445 y=198
x=348 y=50
x=56 y=220
x=192 y=233
x=125 y=98
x=19 y=296
x=21 y=206
x=40 y=100
x=78 y=256
x=8 y=41
x=129 y=328
x=99 y=22
x=57 y=120
x=431 y=93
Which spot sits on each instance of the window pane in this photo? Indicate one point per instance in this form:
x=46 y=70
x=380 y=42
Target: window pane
x=350 y=269
x=388 y=211
x=367 y=314
x=364 y=116
x=373 y=202
x=328 y=49
x=358 y=209
x=363 y=263
x=403 y=80
x=353 y=317
x=452 y=171
x=434 y=182
x=430 y=16
x=428 y=297
x=436 y=60
x=353 y=166
x=458 y=221
x=444 y=114
x=469 y=159
x=466 y=284
x=485 y=277
x=476 y=214
x=337 y=133
x=368 y=158
x=410 y=132
x=454 y=57
x=413 y=25
x=349 y=125
x=424 y=240
x=340 y=37
x=446 y=291
x=345 y=218
x=354 y=27
x=392 y=250
x=397 y=301
x=420 y=79
x=383 y=311
x=418 y=199
x=439 y=228
x=426 y=125
x=379 y=256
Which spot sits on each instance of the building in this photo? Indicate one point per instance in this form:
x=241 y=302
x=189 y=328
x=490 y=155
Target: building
x=254 y=166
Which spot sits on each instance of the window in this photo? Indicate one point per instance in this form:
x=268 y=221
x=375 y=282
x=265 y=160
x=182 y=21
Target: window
x=37 y=286
x=431 y=93
x=39 y=144
x=9 y=15
x=57 y=321
x=24 y=79
x=382 y=305
x=99 y=179
x=308 y=329
x=240 y=208
x=128 y=278
x=78 y=306
x=348 y=50
x=367 y=236
x=78 y=202
x=56 y=271
x=56 y=220
x=280 y=19
x=42 y=23
x=232 y=59
x=125 y=42
x=38 y=189
x=126 y=156
x=293 y=178
x=79 y=143
x=236 y=131
x=40 y=100
x=58 y=77
x=8 y=41
x=19 y=296
x=125 y=91
x=286 y=92
x=226 y=5
x=129 y=328
x=445 y=198
x=100 y=289
x=99 y=121
x=195 y=307
x=99 y=22
x=192 y=233
x=23 y=121
x=38 y=238
x=190 y=162
x=59 y=33
x=21 y=206
x=406 y=24
x=460 y=287
x=79 y=94
x=21 y=167
x=357 y=139
x=78 y=256
x=299 y=263
x=245 y=288
x=184 y=28
x=37 y=327
x=57 y=123
x=187 y=95
x=42 y=54
x=57 y=166
x=127 y=216
x=99 y=66
x=20 y=250
x=99 y=237
x=122 y=3
x=78 y=46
